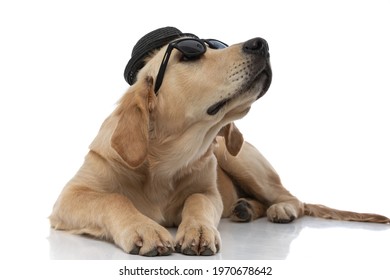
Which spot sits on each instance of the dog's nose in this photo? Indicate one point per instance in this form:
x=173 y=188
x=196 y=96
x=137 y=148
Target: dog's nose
x=256 y=46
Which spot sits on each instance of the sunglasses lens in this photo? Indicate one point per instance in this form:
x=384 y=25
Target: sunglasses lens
x=191 y=48
x=215 y=44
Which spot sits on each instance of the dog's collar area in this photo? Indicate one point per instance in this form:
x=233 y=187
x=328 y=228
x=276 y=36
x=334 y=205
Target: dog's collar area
x=191 y=48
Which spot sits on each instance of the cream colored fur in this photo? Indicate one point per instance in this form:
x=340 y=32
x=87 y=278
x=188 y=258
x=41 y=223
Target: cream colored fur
x=162 y=161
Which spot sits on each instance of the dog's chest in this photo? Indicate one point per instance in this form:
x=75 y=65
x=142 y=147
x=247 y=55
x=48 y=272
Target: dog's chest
x=163 y=197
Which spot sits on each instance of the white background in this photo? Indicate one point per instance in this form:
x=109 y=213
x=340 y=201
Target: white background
x=324 y=124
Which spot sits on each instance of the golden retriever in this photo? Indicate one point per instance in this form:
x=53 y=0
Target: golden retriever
x=177 y=159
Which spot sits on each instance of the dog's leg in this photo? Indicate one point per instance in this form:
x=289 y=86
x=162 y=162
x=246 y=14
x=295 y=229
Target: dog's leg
x=246 y=210
x=235 y=208
x=259 y=180
x=197 y=233
x=228 y=192
x=110 y=216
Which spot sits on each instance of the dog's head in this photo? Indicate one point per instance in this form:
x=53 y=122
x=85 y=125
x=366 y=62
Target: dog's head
x=195 y=99
x=220 y=84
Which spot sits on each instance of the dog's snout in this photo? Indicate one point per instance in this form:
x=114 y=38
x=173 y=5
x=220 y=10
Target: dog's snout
x=256 y=46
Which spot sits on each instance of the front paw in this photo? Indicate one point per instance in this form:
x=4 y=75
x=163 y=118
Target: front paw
x=146 y=239
x=197 y=239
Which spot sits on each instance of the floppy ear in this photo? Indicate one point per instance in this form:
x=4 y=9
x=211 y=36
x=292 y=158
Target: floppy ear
x=233 y=138
x=131 y=135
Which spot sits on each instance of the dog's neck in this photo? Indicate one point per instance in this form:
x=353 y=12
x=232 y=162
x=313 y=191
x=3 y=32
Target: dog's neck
x=170 y=157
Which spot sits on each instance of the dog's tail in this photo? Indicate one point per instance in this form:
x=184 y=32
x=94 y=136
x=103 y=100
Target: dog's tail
x=321 y=211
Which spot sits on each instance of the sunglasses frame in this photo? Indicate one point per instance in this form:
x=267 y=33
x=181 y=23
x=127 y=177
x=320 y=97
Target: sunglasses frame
x=212 y=43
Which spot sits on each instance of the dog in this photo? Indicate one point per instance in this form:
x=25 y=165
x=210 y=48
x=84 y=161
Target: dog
x=170 y=155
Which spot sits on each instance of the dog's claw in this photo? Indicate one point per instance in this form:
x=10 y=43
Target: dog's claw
x=151 y=253
x=207 y=252
x=282 y=221
x=135 y=250
x=188 y=251
x=198 y=240
x=165 y=250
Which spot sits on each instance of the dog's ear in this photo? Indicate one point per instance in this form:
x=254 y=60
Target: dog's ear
x=131 y=136
x=233 y=138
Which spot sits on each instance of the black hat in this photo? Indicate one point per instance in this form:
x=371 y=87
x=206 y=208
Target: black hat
x=148 y=43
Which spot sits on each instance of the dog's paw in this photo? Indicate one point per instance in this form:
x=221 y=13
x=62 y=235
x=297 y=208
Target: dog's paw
x=197 y=239
x=282 y=212
x=242 y=211
x=145 y=239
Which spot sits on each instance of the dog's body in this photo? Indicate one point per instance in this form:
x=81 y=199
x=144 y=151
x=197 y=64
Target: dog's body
x=177 y=159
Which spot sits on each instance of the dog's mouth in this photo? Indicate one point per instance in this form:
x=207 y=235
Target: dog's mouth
x=260 y=81
x=265 y=78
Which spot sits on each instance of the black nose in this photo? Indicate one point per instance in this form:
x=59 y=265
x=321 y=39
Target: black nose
x=256 y=46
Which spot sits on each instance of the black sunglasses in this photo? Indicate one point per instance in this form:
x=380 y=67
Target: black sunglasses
x=191 y=48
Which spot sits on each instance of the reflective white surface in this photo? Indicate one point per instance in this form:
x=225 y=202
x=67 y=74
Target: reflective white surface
x=304 y=239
